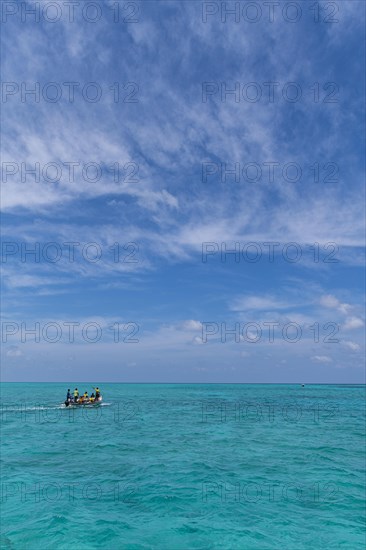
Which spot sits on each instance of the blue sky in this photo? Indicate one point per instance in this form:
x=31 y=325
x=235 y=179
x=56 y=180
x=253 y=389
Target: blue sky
x=172 y=142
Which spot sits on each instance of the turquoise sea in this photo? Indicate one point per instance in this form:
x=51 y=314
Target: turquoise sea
x=177 y=466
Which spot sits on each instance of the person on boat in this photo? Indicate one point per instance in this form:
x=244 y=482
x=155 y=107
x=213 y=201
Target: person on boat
x=97 y=393
x=68 y=396
x=76 y=395
x=92 y=398
x=85 y=396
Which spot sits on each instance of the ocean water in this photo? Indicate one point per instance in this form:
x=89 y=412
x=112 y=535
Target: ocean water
x=196 y=466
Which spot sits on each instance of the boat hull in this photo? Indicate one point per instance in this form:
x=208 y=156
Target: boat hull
x=73 y=405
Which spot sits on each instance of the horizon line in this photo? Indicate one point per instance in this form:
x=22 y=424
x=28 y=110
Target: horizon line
x=193 y=383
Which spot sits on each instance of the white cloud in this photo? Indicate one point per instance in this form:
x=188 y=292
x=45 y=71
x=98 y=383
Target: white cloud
x=353 y=323
x=352 y=345
x=192 y=325
x=245 y=303
x=322 y=359
x=330 y=301
x=14 y=351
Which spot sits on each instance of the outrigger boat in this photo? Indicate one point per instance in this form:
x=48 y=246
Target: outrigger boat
x=84 y=403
